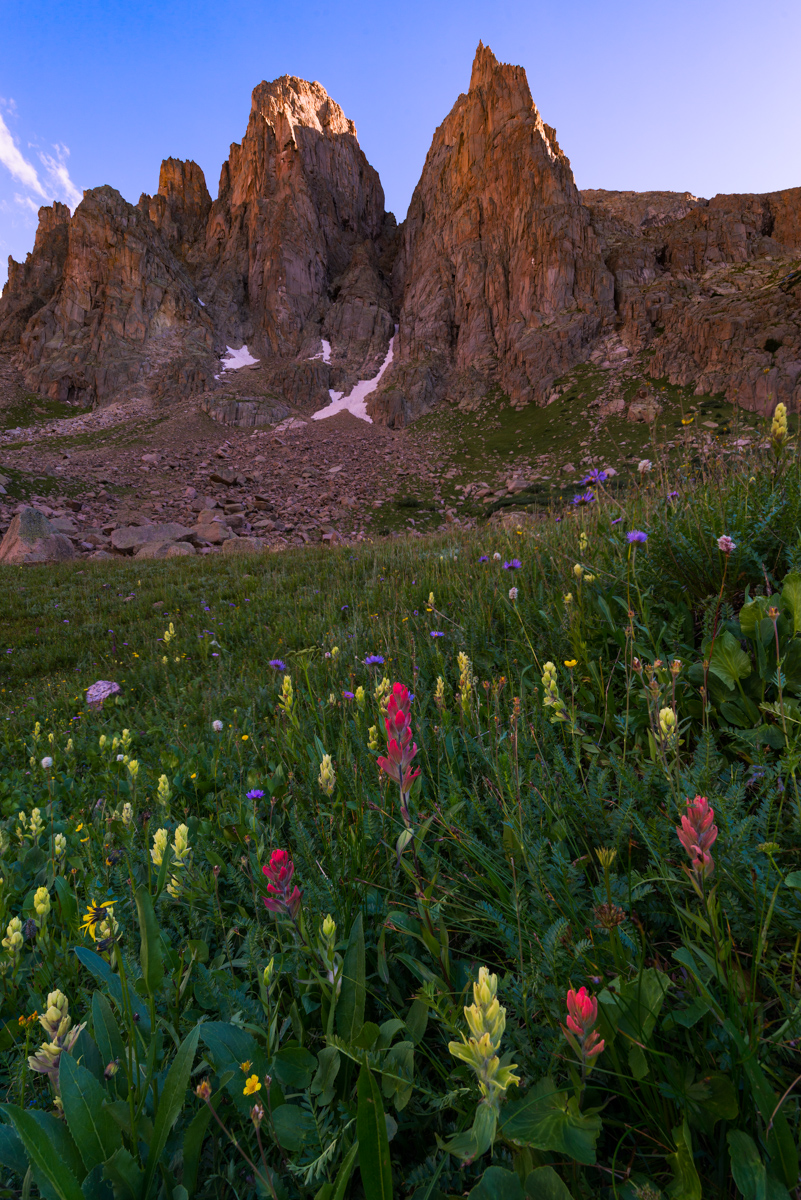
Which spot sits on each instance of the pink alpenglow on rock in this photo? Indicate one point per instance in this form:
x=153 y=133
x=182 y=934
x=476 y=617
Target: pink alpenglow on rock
x=100 y=691
x=582 y=1013
x=400 y=748
x=697 y=835
x=283 y=897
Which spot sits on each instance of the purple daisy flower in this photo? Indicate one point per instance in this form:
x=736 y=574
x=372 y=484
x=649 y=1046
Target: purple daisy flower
x=255 y=794
x=437 y=633
x=512 y=565
x=484 y=558
x=584 y=498
x=636 y=537
x=373 y=660
x=277 y=664
x=348 y=695
x=595 y=476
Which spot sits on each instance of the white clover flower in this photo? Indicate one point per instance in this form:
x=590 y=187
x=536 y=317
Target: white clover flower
x=47 y=762
x=217 y=726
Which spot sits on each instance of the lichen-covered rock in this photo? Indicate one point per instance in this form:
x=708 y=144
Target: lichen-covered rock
x=30 y=538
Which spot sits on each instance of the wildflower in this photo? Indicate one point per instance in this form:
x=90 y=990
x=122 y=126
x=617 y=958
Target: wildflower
x=466 y=679
x=571 y=662
x=667 y=727
x=372 y=738
x=644 y=466
x=159 y=846
x=180 y=846
x=95 y=914
x=552 y=699
x=279 y=871
x=348 y=696
x=513 y=594
x=435 y=633
x=334 y=651
x=584 y=541
x=69 y=747
x=439 y=692
x=169 y=634
x=163 y=791
x=47 y=763
x=513 y=565
x=381 y=692
x=675 y=667
x=608 y=916
x=254 y=794
x=257 y=1115
x=59 y=845
x=496 y=556
x=359 y=696
x=778 y=429
x=606 y=856
x=373 y=660
x=484 y=558
x=583 y=498
x=400 y=748
x=697 y=834
x=37 y=824
x=203 y=1090
x=726 y=544
x=61 y=1036
x=269 y=974
x=252 y=1086
x=133 y=768
x=41 y=902
x=326 y=778
x=578 y=571
x=636 y=537
x=486 y=1022
x=286 y=700
x=582 y=1014
x=101 y=741
x=111 y=1069
x=217 y=726
x=588 y=579
x=568 y=599
x=431 y=598
x=595 y=476
x=13 y=939
x=100 y=691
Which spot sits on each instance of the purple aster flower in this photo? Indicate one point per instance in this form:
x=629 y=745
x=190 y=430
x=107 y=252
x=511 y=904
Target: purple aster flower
x=584 y=498
x=373 y=660
x=595 y=476
x=617 y=520
x=512 y=565
x=277 y=664
x=636 y=537
x=484 y=558
x=437 y=633
x=348 y=695
x=255 y=794
x=672 y=495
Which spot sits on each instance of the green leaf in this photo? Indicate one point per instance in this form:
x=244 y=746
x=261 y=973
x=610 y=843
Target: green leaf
x=125 y=1175
x=417 y=1020
x=193 y=1145
x=790 y=599
x=12 y=1153
x=329 y=1062
x=69 y=905
x=95 y=1187
x=793 y=880
x=345 y=1171
x=103 y=972
x=150 y=955
x=545 y=1119
x=780 y=1143
x=497 y=1184
x=107 y=1032
x=350 y=1006
x=43 y=1154
x=475 y=1141
x=729 y=661
x=686 y=1185
x=747 y=1168
x=545 y=1184
x=171 y=1102
x=96 y=1135
x=371 y=1128
x=751 y=615
x=293 y=1067
x=294 y=1126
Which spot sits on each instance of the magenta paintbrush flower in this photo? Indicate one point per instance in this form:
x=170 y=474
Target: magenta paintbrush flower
x=283 y=897
x=697 y=834
x=582 y=1014
x=400 y=748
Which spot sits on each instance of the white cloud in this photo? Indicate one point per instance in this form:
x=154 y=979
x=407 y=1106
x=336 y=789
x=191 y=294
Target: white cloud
x=12 y=158
x=26 y=202
x=63 y=187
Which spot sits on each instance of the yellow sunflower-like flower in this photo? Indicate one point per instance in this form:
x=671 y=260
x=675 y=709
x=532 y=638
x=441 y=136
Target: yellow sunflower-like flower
x=95 y=915
x=252 y=1085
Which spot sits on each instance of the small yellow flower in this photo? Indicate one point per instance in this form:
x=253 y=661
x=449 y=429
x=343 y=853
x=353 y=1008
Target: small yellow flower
x=245 y=1066
x=245 y=737
x=252 y=1085
x=570 y=662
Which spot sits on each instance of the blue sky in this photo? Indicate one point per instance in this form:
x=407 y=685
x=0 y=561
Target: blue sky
x=698 y=95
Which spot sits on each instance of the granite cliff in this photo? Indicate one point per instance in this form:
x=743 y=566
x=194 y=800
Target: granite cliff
x=501 y=278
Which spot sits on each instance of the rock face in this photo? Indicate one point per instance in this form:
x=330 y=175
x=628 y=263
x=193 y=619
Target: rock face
x=30 y=538
x=708 y=287
x=500 y=274
x=501 y=278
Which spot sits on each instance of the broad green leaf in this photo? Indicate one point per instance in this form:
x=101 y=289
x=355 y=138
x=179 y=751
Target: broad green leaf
x=107 y=1033
x=475 y=1141
x=545 y=1184
x=751 y=616
x=417 y=1020
x=374 y=1164
x=125 y=1175
x=171 y=1101
x=12 y=1153
x=780 y=1142
x=329 y=1062
x=400 y=1062
x=293 y=1067
x=793 y=880
x=103 y=972
x=686 y=1185
x=729 y=661
x=294 y=1126
x=43 y=1154
x=193 y=1145
x=345 y=1171
x=69 y=905
x=350 y=1006
x=545 y=1119
x=96 y=1135
x=497 y=1184
x=747 y=1168
x=60 y=1139
x=790 y=599
x=150 y=955
x=95 y=1187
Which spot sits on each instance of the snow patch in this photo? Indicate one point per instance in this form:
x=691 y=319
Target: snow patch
x=233 y=359
x=356 y=402
x=324 y=354
x=202 y=303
